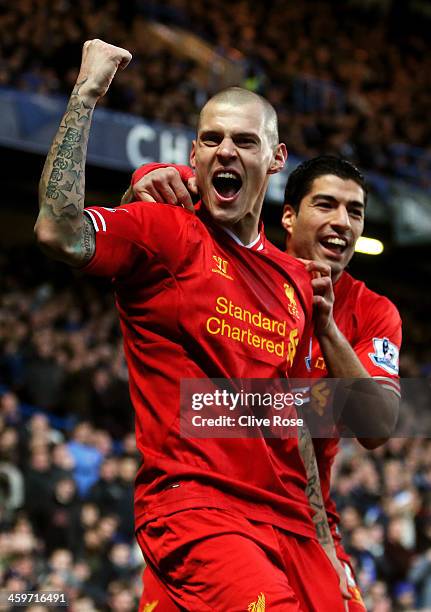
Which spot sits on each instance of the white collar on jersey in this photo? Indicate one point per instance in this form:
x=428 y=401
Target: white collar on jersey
x=238 y=241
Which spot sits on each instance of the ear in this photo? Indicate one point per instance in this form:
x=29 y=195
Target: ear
x=288 y=219
x=279 y=159
x=193 y=155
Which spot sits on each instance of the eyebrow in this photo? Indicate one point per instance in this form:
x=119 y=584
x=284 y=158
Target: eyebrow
x=209 y=133
x=246 y=135
x=325 y=196
x=234 y=135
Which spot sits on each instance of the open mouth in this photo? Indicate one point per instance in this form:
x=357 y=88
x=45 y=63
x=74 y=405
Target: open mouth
x=335 y=245
x=227 y=184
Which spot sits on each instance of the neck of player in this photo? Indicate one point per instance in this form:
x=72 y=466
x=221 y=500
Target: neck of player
x=246 y=230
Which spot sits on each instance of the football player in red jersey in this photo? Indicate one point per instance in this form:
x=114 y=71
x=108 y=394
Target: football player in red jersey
x=224 y=523
x=357 y=331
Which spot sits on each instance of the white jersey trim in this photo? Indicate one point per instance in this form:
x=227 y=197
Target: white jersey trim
x=390 y=384
x=91 y=212
x=92 y=218
x=96 y=212
x=238 y=241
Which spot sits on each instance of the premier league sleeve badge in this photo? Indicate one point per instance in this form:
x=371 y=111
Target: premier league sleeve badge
x=385 y=355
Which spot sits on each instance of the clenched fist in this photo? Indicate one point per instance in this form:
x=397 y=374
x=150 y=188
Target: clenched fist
x=100 y=61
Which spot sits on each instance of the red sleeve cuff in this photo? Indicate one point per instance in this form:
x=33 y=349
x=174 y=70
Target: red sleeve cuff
x=185 y=171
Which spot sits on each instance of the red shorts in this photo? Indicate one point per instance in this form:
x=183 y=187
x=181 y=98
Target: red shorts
x=210 y=559
x=356 y=604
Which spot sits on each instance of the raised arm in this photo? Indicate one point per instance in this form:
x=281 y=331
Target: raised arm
x=62 y=229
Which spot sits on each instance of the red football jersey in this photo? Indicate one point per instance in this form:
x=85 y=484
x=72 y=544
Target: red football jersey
x=372 y=325
x=195 y=303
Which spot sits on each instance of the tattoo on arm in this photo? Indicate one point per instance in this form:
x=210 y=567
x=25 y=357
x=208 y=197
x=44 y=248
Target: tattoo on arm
x=313 y=489
x=62 y=185
x=88 y=241
x=322 y=531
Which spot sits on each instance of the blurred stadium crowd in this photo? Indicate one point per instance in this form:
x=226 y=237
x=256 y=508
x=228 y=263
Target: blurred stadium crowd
x=66 y=483
x=75 y=534
x=342 y=79
x=67 y=452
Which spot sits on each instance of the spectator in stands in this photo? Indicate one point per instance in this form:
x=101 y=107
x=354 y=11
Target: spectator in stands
x=86 y=456
x=106 y=492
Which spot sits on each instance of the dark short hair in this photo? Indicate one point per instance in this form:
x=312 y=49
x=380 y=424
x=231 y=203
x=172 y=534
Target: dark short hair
x=300 y=181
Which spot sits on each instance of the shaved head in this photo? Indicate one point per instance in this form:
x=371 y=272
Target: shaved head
x=237 y=96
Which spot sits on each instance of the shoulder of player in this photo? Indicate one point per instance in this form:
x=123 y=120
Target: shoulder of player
x=371 y=302
x=136 y=213
x=137 y=209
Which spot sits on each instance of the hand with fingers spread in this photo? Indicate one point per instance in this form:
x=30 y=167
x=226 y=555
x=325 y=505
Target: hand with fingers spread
x=323 y=297
x=166 y=185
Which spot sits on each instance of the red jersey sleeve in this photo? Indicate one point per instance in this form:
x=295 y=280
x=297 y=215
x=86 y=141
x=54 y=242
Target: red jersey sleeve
x=379 y=341
x=137 y=231
x=185 y=172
